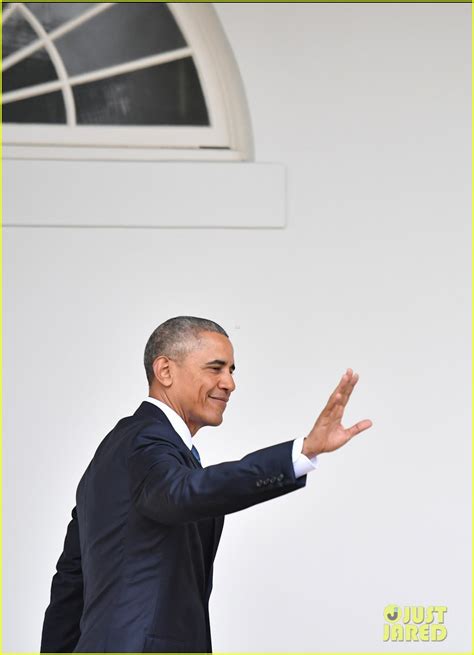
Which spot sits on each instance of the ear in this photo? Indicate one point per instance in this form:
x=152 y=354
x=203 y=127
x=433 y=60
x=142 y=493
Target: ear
x=162 y=370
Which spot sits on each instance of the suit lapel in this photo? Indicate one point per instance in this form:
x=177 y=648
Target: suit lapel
x=149 y=411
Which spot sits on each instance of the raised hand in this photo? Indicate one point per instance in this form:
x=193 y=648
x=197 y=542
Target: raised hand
x=328 y=433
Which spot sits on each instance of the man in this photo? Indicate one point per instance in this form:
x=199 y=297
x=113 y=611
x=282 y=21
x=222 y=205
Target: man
x=136 y=571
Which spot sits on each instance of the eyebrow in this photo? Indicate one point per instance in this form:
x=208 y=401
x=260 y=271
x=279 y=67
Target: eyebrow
x=221 y=362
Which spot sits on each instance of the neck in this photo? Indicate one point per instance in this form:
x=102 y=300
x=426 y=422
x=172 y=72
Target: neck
x=160 y=394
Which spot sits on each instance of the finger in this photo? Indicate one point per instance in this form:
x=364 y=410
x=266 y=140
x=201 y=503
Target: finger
x=335 y=413
x=339 y=391
x=359 y=427
x=333 y=403
x=337 y=410
x=338 y=403
x=346 y=394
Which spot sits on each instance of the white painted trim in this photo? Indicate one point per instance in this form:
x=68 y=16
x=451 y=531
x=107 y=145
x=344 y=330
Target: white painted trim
x=100 y=74
x=172 y=136
x=57 y=63
x=55 y=34
x=121 y=153
x=218 y=72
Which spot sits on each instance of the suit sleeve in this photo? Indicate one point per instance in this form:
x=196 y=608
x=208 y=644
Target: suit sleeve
x=62 y=618
x=166 y=490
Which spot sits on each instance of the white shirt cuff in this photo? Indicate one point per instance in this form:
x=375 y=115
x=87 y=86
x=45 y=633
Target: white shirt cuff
x=302 y=464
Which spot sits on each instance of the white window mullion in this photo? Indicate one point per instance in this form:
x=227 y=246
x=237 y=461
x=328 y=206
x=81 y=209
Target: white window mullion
x=32 y=91
x=23 y=53
x=57 y=63
x=102 y=73
x=8 y=12
x=55 y=34
x=128 y=67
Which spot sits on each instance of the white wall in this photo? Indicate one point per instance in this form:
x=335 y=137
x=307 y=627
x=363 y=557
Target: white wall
x=368 y=107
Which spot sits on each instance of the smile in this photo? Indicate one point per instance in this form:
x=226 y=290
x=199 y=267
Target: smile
x=222 y=400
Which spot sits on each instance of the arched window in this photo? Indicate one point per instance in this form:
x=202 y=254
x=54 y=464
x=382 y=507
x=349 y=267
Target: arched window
x=121 y=80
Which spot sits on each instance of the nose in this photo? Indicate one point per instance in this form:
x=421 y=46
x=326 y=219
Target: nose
x=226 y=382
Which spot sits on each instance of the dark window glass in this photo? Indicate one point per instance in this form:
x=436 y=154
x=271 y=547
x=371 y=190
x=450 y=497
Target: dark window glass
x=35 y=69
x=126 y=32
x=47 y=108
x=16 y=33
x=53 y=14
x=169 y=94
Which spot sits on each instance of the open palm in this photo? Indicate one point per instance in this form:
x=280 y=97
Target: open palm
x=328 y=433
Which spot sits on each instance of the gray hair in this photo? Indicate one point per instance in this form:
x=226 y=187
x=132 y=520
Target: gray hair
x=174 y=338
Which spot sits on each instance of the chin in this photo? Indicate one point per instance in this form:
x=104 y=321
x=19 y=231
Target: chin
x=216 y=421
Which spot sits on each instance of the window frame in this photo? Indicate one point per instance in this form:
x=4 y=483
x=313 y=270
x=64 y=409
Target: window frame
x=229 y=136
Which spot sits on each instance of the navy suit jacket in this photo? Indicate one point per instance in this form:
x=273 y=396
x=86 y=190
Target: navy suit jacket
x=136 y=571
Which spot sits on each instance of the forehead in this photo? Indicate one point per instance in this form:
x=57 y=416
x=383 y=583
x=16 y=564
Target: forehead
x=215 y=346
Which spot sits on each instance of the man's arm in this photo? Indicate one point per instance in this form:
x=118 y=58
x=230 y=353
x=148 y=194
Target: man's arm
x=61 y=622
x=166 y=490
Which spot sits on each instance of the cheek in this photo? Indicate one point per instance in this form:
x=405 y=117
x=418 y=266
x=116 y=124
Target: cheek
x=204 y=391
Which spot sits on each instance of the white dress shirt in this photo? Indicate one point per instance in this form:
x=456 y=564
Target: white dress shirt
x=301 y=464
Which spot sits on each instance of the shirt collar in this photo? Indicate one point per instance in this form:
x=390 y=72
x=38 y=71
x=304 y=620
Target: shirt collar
x=175 y=419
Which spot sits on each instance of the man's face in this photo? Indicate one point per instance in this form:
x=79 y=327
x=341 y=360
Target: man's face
x=203 y=382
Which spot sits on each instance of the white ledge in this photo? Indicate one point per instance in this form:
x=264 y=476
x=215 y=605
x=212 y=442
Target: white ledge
x=143 y=194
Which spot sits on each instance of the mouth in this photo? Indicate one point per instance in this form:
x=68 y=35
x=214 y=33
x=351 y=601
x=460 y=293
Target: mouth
x=221 y=400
